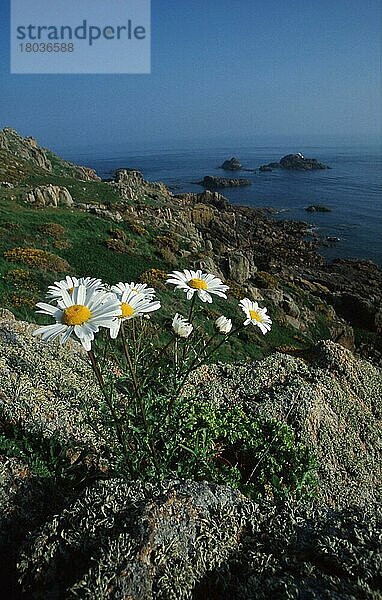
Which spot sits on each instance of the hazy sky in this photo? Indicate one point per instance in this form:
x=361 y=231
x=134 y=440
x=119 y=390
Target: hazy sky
x=220 y=69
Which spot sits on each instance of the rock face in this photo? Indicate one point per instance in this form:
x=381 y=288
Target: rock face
x=295 y=162
x=25 y=147
x=195 y=541
x=131 y=186
x=231 y=164
x=214 y=183
x=50 y=195
x=48 y=378
x=153 y=549
x=128 y=176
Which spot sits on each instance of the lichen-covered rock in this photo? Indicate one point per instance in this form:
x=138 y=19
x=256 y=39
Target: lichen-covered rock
x=295 y=552
x=135 y=541
x=187 y=540
x=45 y=387
x=334 y=404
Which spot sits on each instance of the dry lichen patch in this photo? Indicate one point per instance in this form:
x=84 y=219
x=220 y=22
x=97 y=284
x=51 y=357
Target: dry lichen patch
x=37 y=258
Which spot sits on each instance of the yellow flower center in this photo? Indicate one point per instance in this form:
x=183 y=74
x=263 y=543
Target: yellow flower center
x=76 y=315
x=254 y=315
x=198 y=284
x=127 y=310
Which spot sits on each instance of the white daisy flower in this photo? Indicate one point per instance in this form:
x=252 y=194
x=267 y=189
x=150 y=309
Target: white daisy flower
x=132 y=305
x=181 y=326
x=80 y=313
x=223 y=325
x=204 y=284
x=256 y=315
x=138 y=288
x=69 y=283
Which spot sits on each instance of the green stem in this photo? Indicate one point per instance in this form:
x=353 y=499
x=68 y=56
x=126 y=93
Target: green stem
x=267 y=450
x=191 y=307
x=197 y=362
x=139 y=398
x=109 y=402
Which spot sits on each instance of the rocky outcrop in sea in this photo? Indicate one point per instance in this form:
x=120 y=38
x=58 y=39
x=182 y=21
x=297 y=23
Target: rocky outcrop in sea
x=214 y=183
x=296 y=162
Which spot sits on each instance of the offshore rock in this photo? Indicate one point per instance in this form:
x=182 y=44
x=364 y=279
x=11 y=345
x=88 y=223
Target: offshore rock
x=295 y=162
x=215 y=183
x=318 y=208
x=232 y=164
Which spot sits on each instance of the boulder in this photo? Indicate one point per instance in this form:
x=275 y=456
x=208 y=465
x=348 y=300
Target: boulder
x=202 y=214
x=240 y=268
x=196 y=540
x=50 y=195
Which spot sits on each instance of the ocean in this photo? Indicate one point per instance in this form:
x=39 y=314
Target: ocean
x=352 y=188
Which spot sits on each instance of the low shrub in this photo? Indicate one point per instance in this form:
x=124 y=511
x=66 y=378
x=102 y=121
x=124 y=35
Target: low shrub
x=39 y=259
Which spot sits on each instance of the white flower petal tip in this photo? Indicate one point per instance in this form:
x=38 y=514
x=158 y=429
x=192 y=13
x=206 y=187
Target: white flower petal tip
x=203 y=284
x=55 y=291
x=80 y=313
x=223 y=325
x=182 y=328
x=256 y=315
x=138 y=288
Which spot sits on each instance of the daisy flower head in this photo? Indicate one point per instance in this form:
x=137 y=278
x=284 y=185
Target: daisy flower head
x=256 y=315
x=69 y=283
x=138 y=288
x=80 y=313
x=132 y=304
x=223 y=325
x=181 y=326
x=203 y=284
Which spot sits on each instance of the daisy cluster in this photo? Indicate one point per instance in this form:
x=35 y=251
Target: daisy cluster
x=80 y=306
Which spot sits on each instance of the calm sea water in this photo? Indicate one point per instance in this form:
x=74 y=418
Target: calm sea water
x=352 y=188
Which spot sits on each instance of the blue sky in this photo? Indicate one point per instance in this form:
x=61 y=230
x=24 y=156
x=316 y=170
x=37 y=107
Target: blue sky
x=221 y=70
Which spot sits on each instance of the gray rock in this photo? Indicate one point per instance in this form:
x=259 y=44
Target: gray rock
x=50 y=195
x=240 y=268
x=193 y=541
